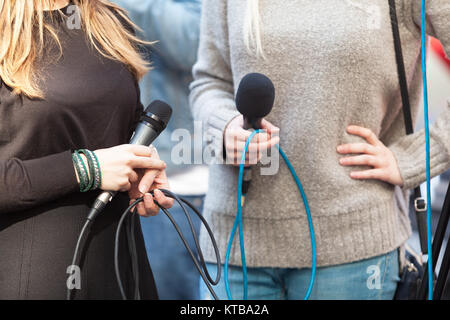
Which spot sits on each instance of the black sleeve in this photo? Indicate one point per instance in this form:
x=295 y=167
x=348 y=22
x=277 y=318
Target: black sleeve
x=29 y=183
x=138 y=111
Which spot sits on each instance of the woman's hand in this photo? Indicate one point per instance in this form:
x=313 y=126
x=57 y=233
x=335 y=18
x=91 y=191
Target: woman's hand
x=150 y=179
x=374 y=154
x=119 y=165
x=235 y=137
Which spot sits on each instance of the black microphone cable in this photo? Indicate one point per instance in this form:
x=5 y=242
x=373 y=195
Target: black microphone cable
x=200 y=265
x=85 y=229
x=129 y=222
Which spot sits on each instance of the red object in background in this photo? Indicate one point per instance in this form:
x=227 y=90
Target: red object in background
x=436 y=46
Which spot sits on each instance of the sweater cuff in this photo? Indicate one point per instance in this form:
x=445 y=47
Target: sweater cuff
x=411 y=158
x=53 y=175
x=216 y=125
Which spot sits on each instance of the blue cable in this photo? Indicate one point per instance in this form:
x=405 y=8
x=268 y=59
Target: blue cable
x=238 y=222
x=427 y=144
x=310 y=223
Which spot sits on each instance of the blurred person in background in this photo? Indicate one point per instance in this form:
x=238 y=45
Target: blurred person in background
x=174 y=24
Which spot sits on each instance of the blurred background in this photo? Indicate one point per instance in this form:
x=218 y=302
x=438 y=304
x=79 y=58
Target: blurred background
x=439 y=94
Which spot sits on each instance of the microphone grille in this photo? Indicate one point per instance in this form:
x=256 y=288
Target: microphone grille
x=160 y=109
x=255 y=96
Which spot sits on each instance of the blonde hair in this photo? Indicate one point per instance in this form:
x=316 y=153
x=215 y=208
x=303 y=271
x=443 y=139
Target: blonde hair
x=22 y=31
x=252 y=29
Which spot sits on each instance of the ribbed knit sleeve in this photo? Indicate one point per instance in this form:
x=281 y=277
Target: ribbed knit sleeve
x=410 y=150
x=29 y=183
x=212 y=93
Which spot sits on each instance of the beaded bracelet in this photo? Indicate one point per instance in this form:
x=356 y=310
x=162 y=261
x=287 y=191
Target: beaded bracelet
x=93 y=179
x=82 y=172
x=97 y=168
x=94 y=168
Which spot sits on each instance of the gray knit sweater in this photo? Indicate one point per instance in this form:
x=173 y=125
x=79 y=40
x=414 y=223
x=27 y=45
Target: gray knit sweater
x=332 y=66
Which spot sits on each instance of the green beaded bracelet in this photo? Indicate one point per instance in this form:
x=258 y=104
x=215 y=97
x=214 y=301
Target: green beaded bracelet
x=94 y=169
x=90 y=167
x=97 y=168
x=82 y=172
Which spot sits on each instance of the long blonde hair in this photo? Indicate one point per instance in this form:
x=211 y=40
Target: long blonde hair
x=22 y=31
x=252 y=29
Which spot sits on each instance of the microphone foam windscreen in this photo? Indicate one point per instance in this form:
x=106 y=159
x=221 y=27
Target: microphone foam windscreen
x=255 y=96
x=160 y=109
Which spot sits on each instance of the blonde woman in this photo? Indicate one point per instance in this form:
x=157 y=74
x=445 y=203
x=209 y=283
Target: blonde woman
x=68 y=81
x=338 y=110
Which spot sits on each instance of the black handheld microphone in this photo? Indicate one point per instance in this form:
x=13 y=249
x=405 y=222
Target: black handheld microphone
x=153 y=121
x=254 y=100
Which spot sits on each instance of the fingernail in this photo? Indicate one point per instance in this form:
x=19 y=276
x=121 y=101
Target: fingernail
x=148 y=196
x=339 y=148
x=143 y=189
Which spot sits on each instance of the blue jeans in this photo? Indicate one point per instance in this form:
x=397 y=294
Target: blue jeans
x=175 y=274
x=371 y=279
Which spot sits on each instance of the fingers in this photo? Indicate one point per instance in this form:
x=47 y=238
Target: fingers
x=147 y=180
x=256 y=146
x=133 y=177
x=356 y=148
x=377 y=174
x=373 y=154
x=164 y=201
x=364 y=133
x=362 y=160
x=266 y=125
x=147 y=163
x=137 y=150
x=261 y=142
x=148 y=207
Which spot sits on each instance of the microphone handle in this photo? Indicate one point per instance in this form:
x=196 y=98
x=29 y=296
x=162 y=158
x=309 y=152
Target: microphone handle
x=252 y=123
x=144 y=135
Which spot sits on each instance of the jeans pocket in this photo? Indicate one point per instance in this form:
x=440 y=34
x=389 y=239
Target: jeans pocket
x=391 y=275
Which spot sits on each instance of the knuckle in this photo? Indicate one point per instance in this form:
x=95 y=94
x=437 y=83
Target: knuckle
x=365 y=148
x=371 y=162
x=124 y=183
x=129 y=160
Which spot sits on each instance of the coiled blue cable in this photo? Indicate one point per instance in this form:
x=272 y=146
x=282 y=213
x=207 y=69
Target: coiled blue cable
x=427 y=144
x=238 y=222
